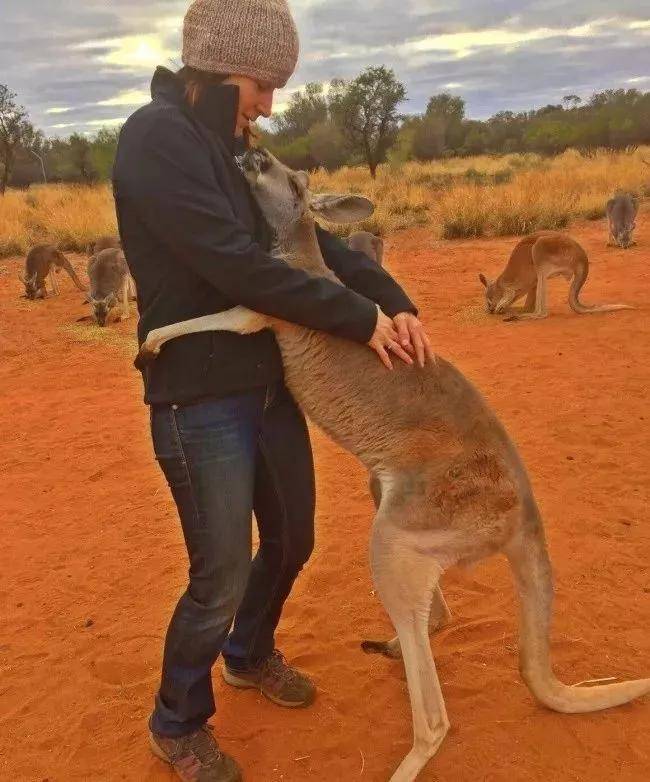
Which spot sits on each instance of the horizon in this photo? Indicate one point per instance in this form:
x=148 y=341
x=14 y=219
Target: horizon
x=504 y=57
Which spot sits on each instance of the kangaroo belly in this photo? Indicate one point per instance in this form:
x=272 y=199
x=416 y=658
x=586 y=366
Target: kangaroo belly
x=407 y=415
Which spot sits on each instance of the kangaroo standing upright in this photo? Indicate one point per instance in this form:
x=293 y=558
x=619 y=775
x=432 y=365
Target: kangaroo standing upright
x=43 y=261
x=448 y=483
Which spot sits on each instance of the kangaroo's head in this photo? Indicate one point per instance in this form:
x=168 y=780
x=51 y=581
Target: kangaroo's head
x=624 y=235
x=33 y=290
x=369 y=244
x=497 y=295
x=622 y=211
x=283 y=195
x=103 y=307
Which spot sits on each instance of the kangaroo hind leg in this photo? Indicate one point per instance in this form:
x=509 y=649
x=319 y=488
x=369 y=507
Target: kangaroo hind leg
x=439 y=617
x=405 y=581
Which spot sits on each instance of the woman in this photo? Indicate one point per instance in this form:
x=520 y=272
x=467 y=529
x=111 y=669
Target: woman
x=228 y=436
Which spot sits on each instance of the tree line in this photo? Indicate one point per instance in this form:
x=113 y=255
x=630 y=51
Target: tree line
x=356 y=122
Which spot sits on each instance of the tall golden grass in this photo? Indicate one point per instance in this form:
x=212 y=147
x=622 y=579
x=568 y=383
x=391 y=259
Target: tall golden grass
x=68 y=216
x=460 y=197
x=492 y=196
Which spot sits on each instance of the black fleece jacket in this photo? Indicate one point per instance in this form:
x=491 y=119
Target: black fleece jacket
x=196 y=243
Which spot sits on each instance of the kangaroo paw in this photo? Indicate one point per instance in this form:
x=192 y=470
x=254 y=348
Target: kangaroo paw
x=387 y=648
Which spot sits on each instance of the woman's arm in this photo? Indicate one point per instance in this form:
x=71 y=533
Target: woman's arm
x=361 y=274
x=176 y=194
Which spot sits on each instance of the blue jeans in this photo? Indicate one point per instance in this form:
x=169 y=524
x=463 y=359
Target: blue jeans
x=224 y=459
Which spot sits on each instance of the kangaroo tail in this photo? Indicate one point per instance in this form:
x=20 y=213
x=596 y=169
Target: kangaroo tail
x=577 y=283
x=65 y=264
x=532 y=571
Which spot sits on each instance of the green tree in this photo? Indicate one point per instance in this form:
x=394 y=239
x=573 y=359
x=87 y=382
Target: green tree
x=102 y=152
x=365 y=110
x=572 y=101
x=429 y=137
x=447 y=112
x=327 y=145
x=305 y=109
x=80 y=158
x=16 y=131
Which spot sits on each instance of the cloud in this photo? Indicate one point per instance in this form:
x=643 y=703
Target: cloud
x=107 y=123
x=132 y=52
x=127 y=98
x=95 y=59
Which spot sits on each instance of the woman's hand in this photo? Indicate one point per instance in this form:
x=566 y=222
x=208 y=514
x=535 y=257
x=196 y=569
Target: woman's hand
x=413 y=337
x=387 y=339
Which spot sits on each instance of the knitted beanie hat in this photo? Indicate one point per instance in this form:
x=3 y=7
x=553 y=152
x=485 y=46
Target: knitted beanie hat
x=256 y=38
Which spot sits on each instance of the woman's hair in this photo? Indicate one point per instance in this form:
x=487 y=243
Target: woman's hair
x=196 y=81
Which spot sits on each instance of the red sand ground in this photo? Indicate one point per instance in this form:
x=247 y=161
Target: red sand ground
x=92 y=559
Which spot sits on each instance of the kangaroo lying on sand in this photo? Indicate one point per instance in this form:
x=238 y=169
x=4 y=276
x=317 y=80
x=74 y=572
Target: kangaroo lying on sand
x=621 y=214
x=110 y=286
x=536 y=259
x=448 y=483
x=371 y=245
x=42 y=261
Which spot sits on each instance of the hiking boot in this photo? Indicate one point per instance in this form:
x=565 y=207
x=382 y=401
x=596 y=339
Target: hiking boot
x=276 y=680
x=196 y=757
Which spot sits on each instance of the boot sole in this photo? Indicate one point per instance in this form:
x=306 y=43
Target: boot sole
x=246 y=684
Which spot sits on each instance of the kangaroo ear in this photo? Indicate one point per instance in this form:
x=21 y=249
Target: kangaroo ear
x=341 y=208
x=483 y=279
x=303 y=178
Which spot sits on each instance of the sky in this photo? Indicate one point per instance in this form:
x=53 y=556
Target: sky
x=78 y=66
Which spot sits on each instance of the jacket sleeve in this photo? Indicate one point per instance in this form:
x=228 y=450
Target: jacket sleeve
x=361 y=274
x=177 y=195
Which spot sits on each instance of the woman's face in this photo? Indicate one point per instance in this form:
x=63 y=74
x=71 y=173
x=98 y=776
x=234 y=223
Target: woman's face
x=255 y=100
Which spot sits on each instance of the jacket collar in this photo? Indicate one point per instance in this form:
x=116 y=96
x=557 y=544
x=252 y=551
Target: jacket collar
x=216 y=108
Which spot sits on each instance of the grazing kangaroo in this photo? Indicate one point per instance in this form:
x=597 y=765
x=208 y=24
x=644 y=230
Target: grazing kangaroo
x=536 y=259
x=371 y=245
x=109 y=286
x=621 y=214
x=42 y=261
x=448 y=484
x=105 y=243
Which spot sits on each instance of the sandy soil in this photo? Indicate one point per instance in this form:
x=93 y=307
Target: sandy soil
x=92 y=560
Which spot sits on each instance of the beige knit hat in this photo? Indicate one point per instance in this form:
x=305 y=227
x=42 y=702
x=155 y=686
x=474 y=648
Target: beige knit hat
x=256 y=38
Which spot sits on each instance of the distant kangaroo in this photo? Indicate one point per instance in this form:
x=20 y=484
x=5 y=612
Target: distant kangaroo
x=41 y=261
x=371 y=245
x=109 y=286
x=105 y=243
x=536 y=259
x=448 y=484
x=621 y=215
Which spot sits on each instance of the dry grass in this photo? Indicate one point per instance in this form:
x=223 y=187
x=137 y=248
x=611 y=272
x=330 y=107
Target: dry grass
x=484 y=196
x=90 y=332
x=460 y=197
x=68 y=216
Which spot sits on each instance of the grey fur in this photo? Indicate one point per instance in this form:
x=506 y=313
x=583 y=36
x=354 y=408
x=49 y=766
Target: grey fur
x=105 y=243
x=109 y=286
x=622 y=210
x=371 y=245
